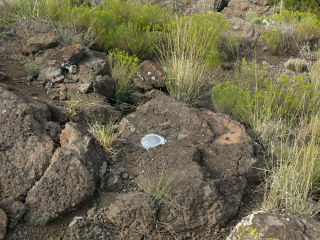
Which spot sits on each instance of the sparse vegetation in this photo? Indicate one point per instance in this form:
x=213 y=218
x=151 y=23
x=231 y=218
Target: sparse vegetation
x=305 y=5
x=158 y=188
x=31 y=67
x=284 y=116
x=123 y=67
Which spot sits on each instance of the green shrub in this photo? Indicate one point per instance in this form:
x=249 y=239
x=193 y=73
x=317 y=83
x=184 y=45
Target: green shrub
x=290 y=30
x=302 y=5
x=287 y=97
x=14 y=11
x=233 y=100
x=123 y=67
x=131 y=27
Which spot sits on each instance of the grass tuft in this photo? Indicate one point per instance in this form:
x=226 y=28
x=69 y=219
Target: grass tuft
x=106 y=134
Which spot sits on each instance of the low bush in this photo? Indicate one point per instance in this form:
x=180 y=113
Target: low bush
x=123 y=67
x=289 y=31
x=131 y=27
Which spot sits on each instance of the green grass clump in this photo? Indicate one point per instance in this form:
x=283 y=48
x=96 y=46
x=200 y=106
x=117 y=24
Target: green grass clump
x=189 y=50
x=284 y=117
x=131 y=27
x=291 y=30
x=106 y=134
x=128 y=26
x=15 y=11
x=123 y=68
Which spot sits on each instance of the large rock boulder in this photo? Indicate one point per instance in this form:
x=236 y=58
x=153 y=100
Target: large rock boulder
x=70 y=179
x=201 y=170
x=25 y=147
x=276 y=225
x=3 y=224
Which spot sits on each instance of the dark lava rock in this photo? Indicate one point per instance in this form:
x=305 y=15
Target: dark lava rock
x=150 y=75
x=276 y=225
x=202 y=169
x=70 y=179
x=25 y=147
x=3 y=224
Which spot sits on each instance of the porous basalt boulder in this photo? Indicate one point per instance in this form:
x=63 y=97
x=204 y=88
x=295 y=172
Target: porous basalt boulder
x=25 y=147
x=70 y=179
x=204 y=165
x=3 y=224
x=276 y=225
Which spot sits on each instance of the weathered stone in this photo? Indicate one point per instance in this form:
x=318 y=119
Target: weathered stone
x=42 y=42
x=149 y=76
x=69 y=180
x=94 y=63
x=85 y=87
x=96 y=112
x=207 y=156
x=275 y=225
x=104 y=85
x=3 y=224
x=82 y=228
x=14 y=209
x=49 y=74
x=62 y=56
x=25 y=148
x=133 y=210
x=238 y=8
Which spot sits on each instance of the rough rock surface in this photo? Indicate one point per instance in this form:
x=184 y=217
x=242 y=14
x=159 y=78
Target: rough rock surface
x=3 y=224
x=85 y=229
x=238 y=8
x=25 y=148
x=133 y=210
x=69 y=180
x=150 y=75
x=14 y=210
x=275 y=225
x=42 y=42
x=204 y=164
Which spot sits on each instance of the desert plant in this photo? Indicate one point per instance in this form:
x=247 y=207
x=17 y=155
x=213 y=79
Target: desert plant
x=305 y=5
x=291 y=30
x=188 y=50
x=31 y=67
x=253 y=18
x=123 y=67
x=106 y=134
